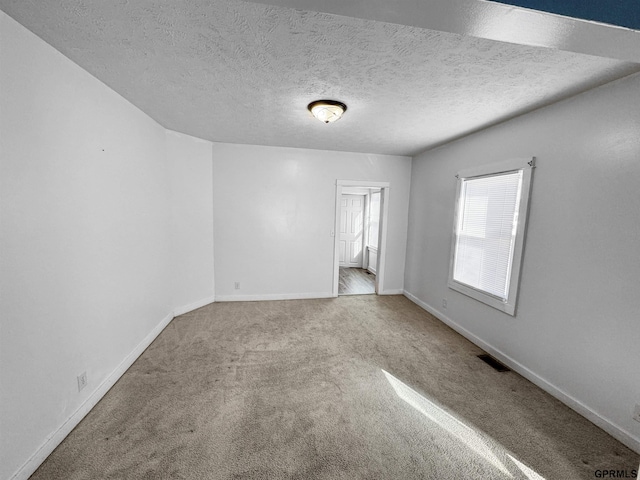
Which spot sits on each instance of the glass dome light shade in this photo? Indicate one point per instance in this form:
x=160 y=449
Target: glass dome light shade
x=327 y=111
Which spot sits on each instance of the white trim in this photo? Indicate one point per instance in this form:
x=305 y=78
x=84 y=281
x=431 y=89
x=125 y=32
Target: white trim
x=213 y=229
x=272 y=296
x=193 y=306
x=362 y=183
x=384 y=187
x=383 y=221
x=495 y=168
x=49 y=445
x=526 y=165
x=365 y=231
x=393 y=292
x=373 y=250
x=336 y=241
x=608 y=426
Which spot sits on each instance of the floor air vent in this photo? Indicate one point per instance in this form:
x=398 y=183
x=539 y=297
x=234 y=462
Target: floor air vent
x=489 y=360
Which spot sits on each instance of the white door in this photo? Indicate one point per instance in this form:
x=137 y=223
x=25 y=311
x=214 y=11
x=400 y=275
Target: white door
x=351 y=230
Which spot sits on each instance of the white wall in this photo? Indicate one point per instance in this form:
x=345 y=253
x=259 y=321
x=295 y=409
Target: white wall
x=274 y=209
x=89 y=267
x=576 y=331
x=190 y=165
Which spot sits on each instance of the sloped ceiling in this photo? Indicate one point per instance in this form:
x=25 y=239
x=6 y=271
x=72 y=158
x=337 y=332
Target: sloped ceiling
x=241 y=72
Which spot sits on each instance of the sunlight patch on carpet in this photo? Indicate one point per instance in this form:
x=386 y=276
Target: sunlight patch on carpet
x=489 y=451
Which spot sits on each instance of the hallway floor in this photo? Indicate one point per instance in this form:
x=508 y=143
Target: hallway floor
x=356 y=281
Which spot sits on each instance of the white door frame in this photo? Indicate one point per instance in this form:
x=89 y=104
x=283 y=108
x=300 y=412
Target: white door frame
x=382 y=233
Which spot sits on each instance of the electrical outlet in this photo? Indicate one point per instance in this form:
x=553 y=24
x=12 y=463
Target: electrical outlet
x=636 y=413
x=82 y=380
x=237 y=285
x=444 y=303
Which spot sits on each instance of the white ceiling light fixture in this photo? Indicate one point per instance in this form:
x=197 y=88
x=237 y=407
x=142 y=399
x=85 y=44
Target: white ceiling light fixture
x=327 y=111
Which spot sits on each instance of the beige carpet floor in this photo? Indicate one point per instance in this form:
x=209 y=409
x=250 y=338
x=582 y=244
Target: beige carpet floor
x=358 y=387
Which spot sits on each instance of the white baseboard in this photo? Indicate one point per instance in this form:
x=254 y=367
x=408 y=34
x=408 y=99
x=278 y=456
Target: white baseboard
x=611 y=428
x=49 y=445
x=287 y=296
x=276 y=296
x=193 y=306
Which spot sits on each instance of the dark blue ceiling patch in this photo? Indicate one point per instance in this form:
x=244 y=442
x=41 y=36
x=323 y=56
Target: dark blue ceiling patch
x=624 y=13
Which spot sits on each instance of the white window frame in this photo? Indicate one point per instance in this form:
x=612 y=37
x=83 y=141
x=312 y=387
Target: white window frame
x=526 y=165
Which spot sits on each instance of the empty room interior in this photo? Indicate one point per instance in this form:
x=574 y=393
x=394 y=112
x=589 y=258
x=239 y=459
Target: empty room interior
x=296 y=239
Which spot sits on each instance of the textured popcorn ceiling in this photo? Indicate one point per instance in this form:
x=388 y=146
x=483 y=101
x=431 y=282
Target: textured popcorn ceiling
x=233 y=71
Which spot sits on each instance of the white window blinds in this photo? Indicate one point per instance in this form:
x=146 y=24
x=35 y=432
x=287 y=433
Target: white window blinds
x=487 y=223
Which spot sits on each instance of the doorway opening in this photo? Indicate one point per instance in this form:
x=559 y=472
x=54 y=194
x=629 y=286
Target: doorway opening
x=360 y=237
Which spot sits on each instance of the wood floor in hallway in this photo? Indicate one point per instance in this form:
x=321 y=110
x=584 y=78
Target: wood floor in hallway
x=356 y=281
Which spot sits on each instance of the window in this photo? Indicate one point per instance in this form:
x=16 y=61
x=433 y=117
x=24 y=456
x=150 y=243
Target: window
x=488 y=232
x=374 y=219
